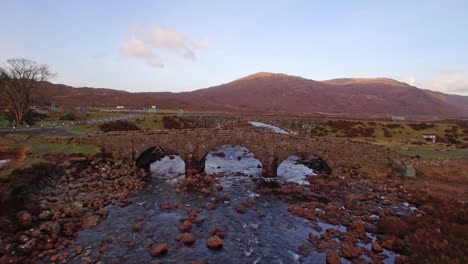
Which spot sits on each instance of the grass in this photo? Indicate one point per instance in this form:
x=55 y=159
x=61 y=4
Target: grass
x=63 y=149
x=84 y=129
x=148 y=123
x=432 y=154
x=99 y=115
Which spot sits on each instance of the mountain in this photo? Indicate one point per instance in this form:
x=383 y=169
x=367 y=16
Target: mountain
x=273 y=93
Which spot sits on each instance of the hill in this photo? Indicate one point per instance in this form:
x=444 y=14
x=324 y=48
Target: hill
x=271 y=93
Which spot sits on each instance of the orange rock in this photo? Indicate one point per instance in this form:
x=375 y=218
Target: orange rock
x=333 y=258
x=349 y=251
x=376 y=247
x=215 y=242
x=136 y=228
x=206 y=190
x=185 y=227
x=54 y=258
x=159 y=250
x=188 y=238
x=216 y=232
x=241 y=208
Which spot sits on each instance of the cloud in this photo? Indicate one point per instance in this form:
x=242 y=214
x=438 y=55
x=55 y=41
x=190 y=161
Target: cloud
x=135 y=48
x=146 y=42
x=455 y=82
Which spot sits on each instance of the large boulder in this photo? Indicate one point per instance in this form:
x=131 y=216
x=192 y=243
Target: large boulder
x=406 y=170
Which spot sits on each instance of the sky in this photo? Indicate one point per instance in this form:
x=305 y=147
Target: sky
x=186 y=45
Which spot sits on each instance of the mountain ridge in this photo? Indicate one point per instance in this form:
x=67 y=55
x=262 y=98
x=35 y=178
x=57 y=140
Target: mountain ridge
x=278 y=93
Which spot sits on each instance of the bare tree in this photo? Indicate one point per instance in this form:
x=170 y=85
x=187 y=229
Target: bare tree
x=18 y=78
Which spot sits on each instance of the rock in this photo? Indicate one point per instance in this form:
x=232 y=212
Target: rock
x=349 y=251
x=136 y=228
x=304 y=247
x=206 y=191
x=159 y=250
x=216 y=232
x=388 y=244
x=198 y=220
x=90 y=221
x=45 y=215
x=376 y=247
x=165 y=205
x=241 y=208
x=401 y=259
x=24 y=218
x=78 y=249
x=54 y=258
x=327 y=245
x=333 y=258
x=358 y=226
x=406 y=169
x=50 y=227
x=387 y=202
x=215 y=242
x=77 y=210
x=36 y=233
x=188 y=238
x=211 y=206
x=185 y=227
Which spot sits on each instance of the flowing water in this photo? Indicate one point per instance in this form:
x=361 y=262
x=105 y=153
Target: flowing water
x=268 y=127
x=264 y=233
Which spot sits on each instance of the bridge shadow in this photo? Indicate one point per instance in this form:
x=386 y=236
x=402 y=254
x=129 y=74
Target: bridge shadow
x=151 y=155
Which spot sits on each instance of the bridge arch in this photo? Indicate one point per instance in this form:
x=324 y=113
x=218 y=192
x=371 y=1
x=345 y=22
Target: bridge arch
x=309 y=160
x=232 y=158
x=152 y=154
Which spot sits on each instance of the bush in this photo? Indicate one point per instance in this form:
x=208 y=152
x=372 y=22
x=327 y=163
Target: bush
x=119 y=125
x=175 y=122
x=421 y=126
x=69 y=117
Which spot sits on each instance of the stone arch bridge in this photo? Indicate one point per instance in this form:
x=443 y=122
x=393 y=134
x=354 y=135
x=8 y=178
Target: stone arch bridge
x=192 y=145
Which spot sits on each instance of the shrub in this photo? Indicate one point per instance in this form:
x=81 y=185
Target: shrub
x=118 y=125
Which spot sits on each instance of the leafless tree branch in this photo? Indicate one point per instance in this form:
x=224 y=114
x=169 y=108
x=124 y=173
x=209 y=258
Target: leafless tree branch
x=18 y=78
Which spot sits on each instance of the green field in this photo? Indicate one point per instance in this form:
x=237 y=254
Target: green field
x=148 y=123
x=433 y=154
x=62 y=149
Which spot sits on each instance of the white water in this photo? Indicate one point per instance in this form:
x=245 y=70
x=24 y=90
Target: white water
x=290 y=171
x=270 y=127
